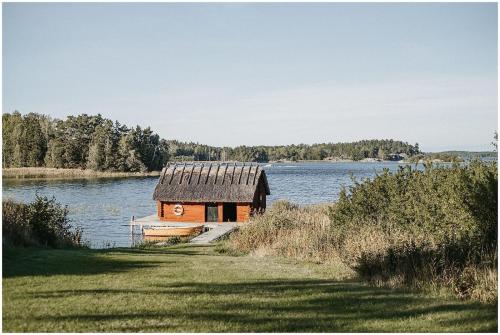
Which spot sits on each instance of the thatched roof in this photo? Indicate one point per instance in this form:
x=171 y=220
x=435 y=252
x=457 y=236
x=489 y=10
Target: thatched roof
x=210 y=182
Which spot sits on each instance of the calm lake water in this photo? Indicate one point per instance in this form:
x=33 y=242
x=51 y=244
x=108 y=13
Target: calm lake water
x=103 y=207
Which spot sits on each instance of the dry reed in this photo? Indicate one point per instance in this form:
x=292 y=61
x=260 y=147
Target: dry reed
x=54 y=173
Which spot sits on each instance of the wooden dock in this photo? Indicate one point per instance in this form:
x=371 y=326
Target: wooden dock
x=212 y=235
x=212 y=230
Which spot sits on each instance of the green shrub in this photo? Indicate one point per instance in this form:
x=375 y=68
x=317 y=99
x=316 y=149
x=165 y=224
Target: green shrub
x=16 y=229
x=44 y=222
x=417 y=228
x=458 y=202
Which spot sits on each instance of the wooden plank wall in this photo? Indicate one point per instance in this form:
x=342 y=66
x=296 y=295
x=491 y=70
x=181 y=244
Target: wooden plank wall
x=242 y=212
x=158 y=209
x=220 y=212
x=193 y=212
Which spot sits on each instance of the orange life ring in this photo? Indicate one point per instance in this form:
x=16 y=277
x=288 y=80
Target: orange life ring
x=178 y=209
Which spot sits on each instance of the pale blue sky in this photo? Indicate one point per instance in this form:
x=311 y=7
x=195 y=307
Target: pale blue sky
x=230 y=74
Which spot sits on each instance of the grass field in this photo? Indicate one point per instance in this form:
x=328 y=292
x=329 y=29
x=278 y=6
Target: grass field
x=186 y=288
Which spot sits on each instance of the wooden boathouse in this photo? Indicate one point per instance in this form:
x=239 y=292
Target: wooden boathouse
x=215 y=192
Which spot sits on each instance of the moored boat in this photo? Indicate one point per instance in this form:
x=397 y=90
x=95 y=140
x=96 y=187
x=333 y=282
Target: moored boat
x=172 y=231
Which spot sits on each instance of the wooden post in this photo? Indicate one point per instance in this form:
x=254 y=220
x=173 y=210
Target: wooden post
x=208 y=173
x=249 y=171
x=199 y=176
x=164 y=173
x=172 y=176
x=224 y=175
x=132 y=226
x=232 y=176
x=255 y=175
x=191 y=174
x=217 y=173
x=182 y=173
x=241 y=173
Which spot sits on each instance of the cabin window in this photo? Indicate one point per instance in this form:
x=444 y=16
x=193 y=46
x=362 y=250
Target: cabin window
x=229 y=212
x=211 y=212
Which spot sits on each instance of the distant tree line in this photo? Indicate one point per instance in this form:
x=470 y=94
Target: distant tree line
x=97 y=143
x=453 y=156
x=379 y=149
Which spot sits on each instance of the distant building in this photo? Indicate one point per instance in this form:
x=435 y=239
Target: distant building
x=215 y=192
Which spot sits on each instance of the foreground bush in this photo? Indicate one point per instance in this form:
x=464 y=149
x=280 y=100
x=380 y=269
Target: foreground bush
x=433 y=228
x=418 y=228
x=43 y=222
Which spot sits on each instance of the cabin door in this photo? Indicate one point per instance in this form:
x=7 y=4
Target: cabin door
x=211 y=213
x=229 y=212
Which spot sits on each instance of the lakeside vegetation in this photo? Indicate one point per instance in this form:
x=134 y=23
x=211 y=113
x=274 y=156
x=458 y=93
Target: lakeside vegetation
x=54 y=173
x=99 y=144
x=452 y=156
x=44 y=222
x=448 y=157
x=433 y=229
x=471 y=155
x=193 y=289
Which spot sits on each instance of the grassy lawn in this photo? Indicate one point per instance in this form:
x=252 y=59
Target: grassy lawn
x=187 y=288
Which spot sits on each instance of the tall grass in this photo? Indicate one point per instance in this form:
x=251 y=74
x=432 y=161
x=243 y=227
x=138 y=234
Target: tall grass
x=44 y=222
x=435 y=228
x=55 y=173
x=289 y=230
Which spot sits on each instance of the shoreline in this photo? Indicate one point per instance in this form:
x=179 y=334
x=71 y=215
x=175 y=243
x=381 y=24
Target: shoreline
x=64 y=173
x=55 y=173
x=335 y=161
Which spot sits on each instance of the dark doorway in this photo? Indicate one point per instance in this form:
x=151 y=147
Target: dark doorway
x=211 y=212
x=229 y=212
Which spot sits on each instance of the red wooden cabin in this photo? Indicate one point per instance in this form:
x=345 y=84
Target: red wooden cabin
x=215 y=192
